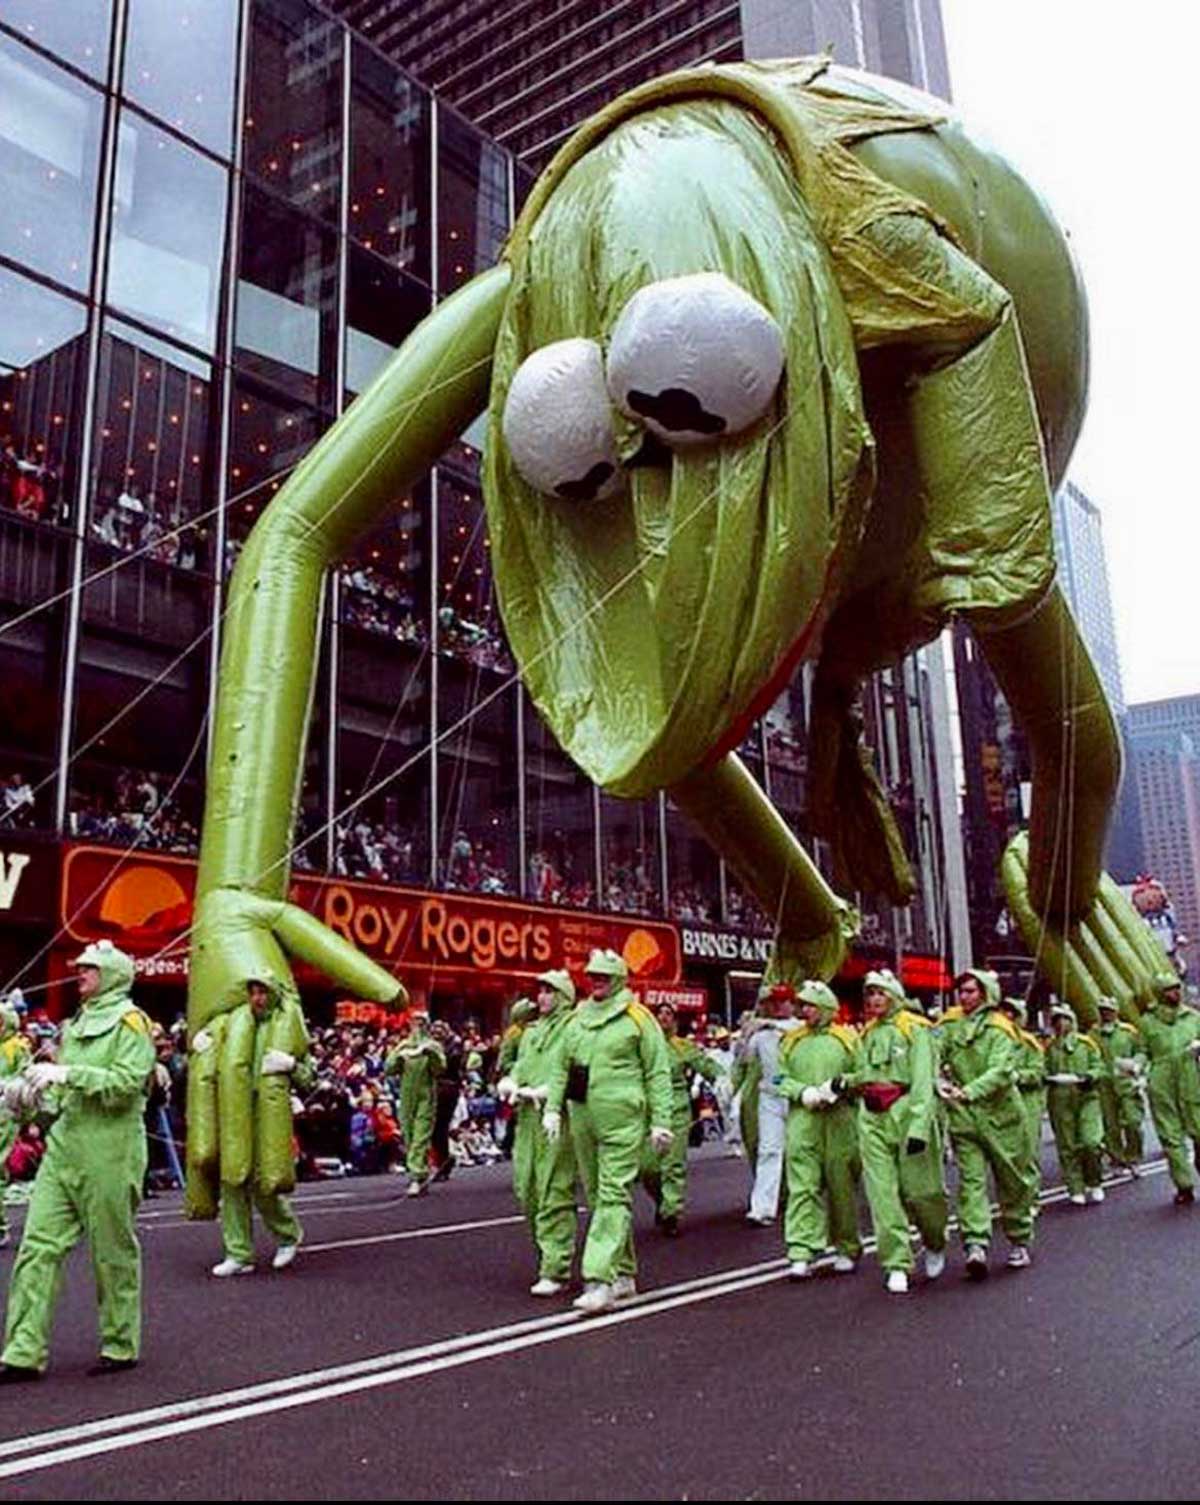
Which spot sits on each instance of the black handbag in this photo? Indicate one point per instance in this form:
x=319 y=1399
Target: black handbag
x=577 y=1083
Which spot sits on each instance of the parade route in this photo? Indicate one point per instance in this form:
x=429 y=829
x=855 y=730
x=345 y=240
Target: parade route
x=401 y=1357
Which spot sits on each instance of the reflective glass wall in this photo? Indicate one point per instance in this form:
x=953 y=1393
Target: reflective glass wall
x=222 y=218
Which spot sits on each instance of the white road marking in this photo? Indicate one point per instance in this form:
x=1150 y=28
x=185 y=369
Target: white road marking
x=90 y=1439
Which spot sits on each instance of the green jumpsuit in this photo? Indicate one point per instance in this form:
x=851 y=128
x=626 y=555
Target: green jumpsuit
x=1173 y=1085
x=746 y=1077
x=544 y=1172
x=14 y=1057
x=823 y=1164
x=665 y=1177
x=1031 y=1084
x=901 y=1146
x=239 y=1202
x=629 y=1091
x=980 y=1055
x=418 y=1062
x=90 y=1179
x=522 y=1014
x=1120 y=1098
x=1075 y=1111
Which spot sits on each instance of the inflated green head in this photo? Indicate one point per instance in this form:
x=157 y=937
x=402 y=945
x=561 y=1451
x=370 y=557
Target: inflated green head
x=665 y=551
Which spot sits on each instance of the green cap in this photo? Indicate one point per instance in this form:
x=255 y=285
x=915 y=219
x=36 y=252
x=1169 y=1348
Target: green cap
x=987 y=980
x=560 y=981
x=1017 y=1007
x=606 y=963
x=522 y=1011
x=1108 y=1003
x=819 y=994
x=887 y=982
x=1164 y=981
x=1060 y=1010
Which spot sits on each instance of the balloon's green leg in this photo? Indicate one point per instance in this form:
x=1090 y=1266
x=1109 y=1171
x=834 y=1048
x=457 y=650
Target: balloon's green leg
x=813 y=926
x=432 y=388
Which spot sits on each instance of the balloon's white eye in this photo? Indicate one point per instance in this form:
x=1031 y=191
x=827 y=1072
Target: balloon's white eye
x=694 y=358
x=558 y=422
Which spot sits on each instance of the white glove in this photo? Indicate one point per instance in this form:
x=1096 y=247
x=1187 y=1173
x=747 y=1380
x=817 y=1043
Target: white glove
x=1194 y=1047
x=552 y=1124
x=661 y=1140
x=532 y=1094
x=277 y=1063
x=1063 y=1079
x=202 y=1040
x=949 y=1092
x=1127 y=1066
x=43 y=1074
x=506 y=1089
x=828 y=1096
x=811 y=1097
x=12 y=1096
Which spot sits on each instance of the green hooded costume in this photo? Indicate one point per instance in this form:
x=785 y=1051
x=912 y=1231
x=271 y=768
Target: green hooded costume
x=619 y=1044
x=418 y=1061
x=544 y=1170
x=1075 y=1106
x=665 y=1177
x=1031 y=1084
x=1120 y=1091
x=89 y=1183
x=823 y=1162
x=980 y=1054
x=900 y=1141
x=14 y=1057
x=1173 y=1086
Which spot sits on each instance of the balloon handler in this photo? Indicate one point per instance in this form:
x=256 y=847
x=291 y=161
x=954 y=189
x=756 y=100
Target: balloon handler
x=612 y=1071
x=89 y=1183
x=240 y=1075
x=665 y=1176
x=418 y=1061
x=14 y=1058
x=781 y=366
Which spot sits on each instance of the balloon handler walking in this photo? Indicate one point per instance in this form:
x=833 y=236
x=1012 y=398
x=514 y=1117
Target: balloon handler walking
x=665 y=1176
x=418 y=1061
x=1074 y=1067
x=544 y=1169
x=14 y=1057
x=240 y=1076
x=1171 y=1044
x=612 y=1068
x=1121 y=1086
x=90 y=1180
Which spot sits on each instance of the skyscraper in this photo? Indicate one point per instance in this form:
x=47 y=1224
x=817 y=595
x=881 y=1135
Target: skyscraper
x=528 y=73
x=1083 y=575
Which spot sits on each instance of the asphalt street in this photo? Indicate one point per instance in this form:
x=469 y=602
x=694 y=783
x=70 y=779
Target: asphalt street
x=401 y=1357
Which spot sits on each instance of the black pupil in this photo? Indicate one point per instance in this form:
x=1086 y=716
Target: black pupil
x=676 y=409
x=587 y=486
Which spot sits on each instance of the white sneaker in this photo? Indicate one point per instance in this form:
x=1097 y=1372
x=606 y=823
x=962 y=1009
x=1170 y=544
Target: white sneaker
x=1095 y=1194
x=284 y=1256
x=977 y=1262
x=844 y=1265
x=1078 y=1199
x=624 y=1287
x=547 y=1287
x=799 y=1269
x=416 y=1188
x=753 y=1217
x=229 y=1267
x=1018 y=1258
x=597 y=1297
x=935 y=1263
x=897 y=1283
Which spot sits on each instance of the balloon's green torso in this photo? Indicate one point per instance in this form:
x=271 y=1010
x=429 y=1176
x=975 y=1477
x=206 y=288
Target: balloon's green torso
x=882 y=237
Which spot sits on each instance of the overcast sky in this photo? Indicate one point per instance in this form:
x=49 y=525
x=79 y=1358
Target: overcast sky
x=1097 y=102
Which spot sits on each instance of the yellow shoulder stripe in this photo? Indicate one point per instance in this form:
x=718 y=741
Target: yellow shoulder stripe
x=640 y=1014
x=1132 y=1028
x=952 y=1013
x=136 y=1021
x=846 y=1034
x=1004 y=1024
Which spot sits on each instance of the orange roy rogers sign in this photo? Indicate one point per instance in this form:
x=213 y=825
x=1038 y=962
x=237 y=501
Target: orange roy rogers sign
x=144 y=904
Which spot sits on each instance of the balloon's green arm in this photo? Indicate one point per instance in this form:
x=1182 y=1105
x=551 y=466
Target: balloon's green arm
x=423 y=399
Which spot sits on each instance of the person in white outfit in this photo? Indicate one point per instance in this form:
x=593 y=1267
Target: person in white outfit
x=760 y=1053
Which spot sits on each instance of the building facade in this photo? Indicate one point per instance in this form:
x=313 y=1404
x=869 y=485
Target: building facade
x=220 y=220
x=1083 y=575
x=529 y=72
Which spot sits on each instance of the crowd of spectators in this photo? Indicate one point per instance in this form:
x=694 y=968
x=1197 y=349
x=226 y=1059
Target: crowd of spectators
x=473 y=867
x=369 y=849
x=629 y=880
x=18 y=805
x=552 y=880
x=376 y=604
x=28 y=485
x=476 y=643
x=690 y=902
x=132 y=523
x=130 y=810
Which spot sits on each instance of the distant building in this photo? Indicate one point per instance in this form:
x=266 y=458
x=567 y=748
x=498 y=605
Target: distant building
x=1083 y=575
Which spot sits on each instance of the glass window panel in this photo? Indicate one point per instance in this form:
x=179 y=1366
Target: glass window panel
x=385 y=583
x=311 y=834
x=293 y=129
x=389 y=162
x=560 y=837
x=383 y=306
x=77 y=33
x=137 y=772
x=154 y=451
x=477 y=783
x=168 y=234
x=49 y=159
x=179 y=63
x=269 y=437
x=523 y=180
x=694 y=872
x=469 y=628
x=786 y=738
x=743 y=910
x=41 y=368
x=472 y=202
x=632 y=876
x=287 y=300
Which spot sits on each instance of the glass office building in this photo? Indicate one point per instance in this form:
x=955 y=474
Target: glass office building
x=219 y=220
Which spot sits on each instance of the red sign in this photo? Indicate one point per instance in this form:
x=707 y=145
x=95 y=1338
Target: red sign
x=918 y=970
x=681 y=996
x=144 y=904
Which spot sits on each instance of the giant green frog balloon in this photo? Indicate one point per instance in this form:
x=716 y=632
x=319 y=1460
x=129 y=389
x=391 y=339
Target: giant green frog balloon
x=781 y=366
